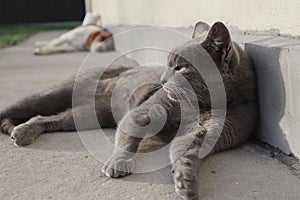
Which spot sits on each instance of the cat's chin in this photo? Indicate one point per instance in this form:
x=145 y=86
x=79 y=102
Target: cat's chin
x=171 y=97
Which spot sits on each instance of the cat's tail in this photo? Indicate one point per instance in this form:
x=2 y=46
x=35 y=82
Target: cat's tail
x=2 y=116
x=6 y=124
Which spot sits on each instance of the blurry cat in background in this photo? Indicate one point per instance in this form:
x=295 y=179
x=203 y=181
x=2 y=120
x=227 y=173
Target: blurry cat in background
x=89 y=36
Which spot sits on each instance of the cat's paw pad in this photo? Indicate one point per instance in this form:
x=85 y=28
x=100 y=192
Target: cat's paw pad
x=24 y=134
x=118 y=167
x=186 y=184
x=7 y=126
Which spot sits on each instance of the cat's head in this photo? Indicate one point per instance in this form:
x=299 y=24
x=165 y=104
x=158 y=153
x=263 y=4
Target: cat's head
x=207 y=44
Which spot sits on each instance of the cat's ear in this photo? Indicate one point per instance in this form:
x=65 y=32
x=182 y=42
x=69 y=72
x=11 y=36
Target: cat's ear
x=199 y=29
x=219 y=37
x=219 y=41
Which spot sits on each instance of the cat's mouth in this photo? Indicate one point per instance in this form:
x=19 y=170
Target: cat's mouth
x=176 y=93
x=171 y=94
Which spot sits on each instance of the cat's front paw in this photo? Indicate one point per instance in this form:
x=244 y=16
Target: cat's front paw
x=119 y=166
x=37 y=51
x=24 y=134
x=185 y=177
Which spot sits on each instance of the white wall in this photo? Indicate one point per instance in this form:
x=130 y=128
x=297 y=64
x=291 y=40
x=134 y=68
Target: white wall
x=260 y=15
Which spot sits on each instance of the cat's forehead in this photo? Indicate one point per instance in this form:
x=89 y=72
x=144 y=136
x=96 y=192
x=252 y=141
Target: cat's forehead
x=190 y=48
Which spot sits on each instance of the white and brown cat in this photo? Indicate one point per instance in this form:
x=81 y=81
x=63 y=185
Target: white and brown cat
x=82 y=38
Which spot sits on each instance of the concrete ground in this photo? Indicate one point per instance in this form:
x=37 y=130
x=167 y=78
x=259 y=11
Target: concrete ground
x=57 y=165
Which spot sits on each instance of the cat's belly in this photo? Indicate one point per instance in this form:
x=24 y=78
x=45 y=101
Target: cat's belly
x=78 y=36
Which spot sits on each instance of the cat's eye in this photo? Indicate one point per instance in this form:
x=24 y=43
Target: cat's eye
x=177 y=68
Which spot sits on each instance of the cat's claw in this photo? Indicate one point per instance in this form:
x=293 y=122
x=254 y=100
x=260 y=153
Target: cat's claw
x=24 y=134
x=118 y=167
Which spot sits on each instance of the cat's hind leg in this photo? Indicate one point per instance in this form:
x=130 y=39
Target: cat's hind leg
x=57 y=45
x=27 y=132
x=59 y=98
x=46 y=103
x=77 y=118
x=40 y=43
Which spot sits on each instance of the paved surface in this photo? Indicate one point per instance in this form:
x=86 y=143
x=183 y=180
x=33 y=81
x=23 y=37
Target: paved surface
x=58 y=166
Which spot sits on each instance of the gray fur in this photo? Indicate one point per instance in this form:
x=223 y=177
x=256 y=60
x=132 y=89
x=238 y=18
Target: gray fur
x=55 y=108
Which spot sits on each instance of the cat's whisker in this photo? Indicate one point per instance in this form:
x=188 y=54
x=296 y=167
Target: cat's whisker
x=167 y=88
x=157 y=87
x=186 y=91
x=181 y=93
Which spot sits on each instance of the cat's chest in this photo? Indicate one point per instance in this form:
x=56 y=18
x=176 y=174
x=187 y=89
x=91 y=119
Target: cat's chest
x=135 y=86
x=138 y=83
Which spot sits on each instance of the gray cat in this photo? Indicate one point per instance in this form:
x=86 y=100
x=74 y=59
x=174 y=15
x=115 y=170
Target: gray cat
x=55 y=110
